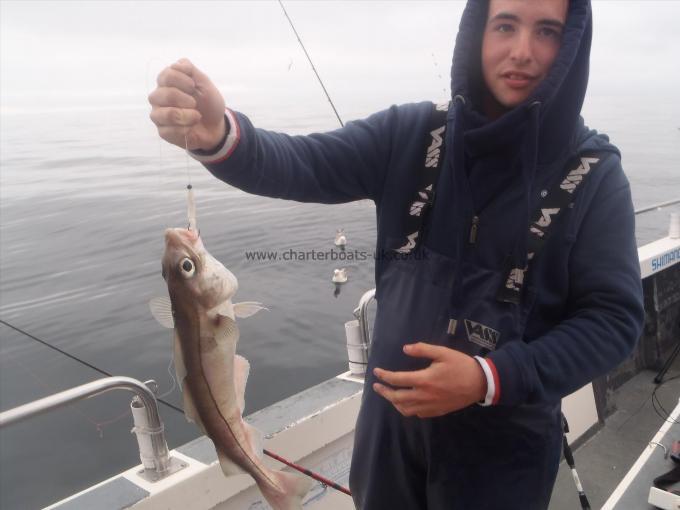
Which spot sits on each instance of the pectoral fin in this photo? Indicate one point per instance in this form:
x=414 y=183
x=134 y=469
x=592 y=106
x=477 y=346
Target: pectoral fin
x=226 y=309
x=227 y=331
x=161 y=309
x=247 y=308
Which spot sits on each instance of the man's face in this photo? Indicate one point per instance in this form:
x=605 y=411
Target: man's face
x=521 y=40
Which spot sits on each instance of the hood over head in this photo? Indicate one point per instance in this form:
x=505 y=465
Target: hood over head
x=559 y=97
x=545 y=129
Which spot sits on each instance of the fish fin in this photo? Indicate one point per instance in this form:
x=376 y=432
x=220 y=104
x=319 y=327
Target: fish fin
x=226 y=309
x=292 y=489
x=247 y=308
x=161 y=309
x=180 y=367
x=241 y=372
x=227 y=331
x=255 y=439
x=229 y=467
x=190 y=409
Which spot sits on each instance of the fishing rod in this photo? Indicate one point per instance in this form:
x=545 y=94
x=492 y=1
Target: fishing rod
x=311 y=64
x=569 y=457
x=324 y=481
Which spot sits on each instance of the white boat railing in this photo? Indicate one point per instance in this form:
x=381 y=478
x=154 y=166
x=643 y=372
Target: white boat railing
x=655 y=207
x=149 y=427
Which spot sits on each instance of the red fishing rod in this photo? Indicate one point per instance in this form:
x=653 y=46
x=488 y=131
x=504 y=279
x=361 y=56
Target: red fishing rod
x=325 y=481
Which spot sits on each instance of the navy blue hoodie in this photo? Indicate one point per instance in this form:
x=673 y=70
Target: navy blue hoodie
x=583 y=298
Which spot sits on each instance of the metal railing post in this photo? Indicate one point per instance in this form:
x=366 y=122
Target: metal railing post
x=161 y=457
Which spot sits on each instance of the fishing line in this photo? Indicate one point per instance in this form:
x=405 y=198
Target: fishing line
x=191 y=200
x=311 y=64
x=75 y=358
x=655 y=402
x=662 y=412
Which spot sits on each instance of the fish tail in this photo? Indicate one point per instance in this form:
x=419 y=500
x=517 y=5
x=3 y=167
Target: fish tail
x=292 y=489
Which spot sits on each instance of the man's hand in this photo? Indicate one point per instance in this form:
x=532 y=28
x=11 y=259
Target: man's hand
x=453 y=381
x=187 y=108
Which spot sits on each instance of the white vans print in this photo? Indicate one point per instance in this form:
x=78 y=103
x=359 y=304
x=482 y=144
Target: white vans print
x=575 y=177
x=433 y=151
x=409 y=245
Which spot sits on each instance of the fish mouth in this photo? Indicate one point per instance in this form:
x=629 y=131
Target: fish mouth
x=180 y=237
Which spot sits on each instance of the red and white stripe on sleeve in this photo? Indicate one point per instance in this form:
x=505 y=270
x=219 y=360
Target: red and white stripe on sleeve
x=229 y=145
x=493 y=386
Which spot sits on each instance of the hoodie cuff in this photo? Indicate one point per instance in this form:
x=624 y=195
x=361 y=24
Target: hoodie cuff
x=509 y=371
x=493 y=390
x=227 y=146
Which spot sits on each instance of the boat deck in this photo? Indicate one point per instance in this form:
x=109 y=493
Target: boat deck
x=604 y=459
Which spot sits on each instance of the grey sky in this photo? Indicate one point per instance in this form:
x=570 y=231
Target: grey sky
x=370 y=54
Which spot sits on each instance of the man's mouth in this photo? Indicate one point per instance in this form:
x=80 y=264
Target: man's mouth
x=517 y=79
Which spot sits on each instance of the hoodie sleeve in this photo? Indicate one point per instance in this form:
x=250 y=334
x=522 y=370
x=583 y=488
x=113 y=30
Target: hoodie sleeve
x=605 y=311
x=339 y=166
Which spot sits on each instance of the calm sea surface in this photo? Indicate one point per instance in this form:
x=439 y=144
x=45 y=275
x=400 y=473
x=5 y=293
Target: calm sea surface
x=85 y=195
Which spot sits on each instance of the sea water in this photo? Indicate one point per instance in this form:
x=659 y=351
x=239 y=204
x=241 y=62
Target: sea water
x=85 y=194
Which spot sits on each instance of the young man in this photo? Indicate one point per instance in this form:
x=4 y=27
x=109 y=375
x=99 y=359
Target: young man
x=478 y=333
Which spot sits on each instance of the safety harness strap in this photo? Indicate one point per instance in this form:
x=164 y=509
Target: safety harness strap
x=429 y=173
x=560 y=197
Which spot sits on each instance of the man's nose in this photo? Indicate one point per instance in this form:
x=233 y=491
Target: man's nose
x=520 y=52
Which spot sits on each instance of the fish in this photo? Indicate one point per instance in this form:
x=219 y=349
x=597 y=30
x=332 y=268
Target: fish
x=212 y=376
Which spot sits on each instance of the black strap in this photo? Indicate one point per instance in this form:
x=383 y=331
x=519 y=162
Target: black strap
x=561 y=196
x=553 y=204
x=424 y=198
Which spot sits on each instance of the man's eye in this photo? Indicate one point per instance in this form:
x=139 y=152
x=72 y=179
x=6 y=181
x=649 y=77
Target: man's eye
x=549 y=33
x=505 y=27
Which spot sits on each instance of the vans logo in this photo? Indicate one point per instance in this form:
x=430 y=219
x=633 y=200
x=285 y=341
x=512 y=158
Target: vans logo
x=434 y=151
x=482 y=335
x=575 y=177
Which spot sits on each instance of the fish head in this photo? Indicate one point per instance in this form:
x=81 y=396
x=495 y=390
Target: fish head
x=192 y=273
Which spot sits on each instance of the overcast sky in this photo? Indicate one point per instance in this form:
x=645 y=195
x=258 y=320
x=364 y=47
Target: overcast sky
x=368 y=53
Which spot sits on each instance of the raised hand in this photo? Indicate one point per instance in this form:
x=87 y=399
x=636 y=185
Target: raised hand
x=187 y=108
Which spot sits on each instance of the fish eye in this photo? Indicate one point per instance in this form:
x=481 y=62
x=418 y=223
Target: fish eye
x=187 y=267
